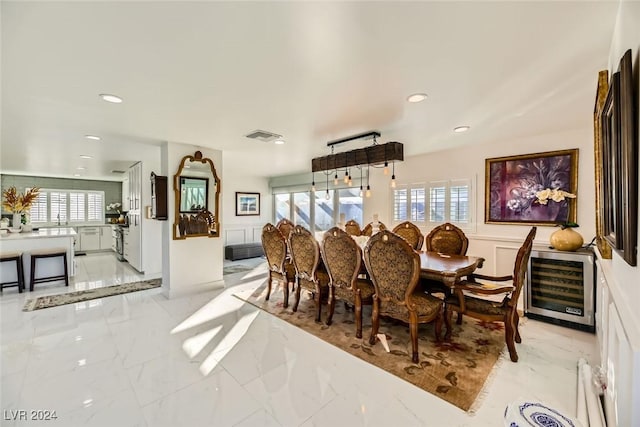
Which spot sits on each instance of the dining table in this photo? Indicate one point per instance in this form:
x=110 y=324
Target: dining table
x=447 y=269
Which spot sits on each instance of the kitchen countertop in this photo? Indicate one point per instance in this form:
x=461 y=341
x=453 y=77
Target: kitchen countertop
x=41 y=233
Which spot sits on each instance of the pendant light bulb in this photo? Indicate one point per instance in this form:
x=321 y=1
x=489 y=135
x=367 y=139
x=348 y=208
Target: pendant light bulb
x=361 y=191
x=393 y=181
x=313 y=187
x=335 y=179
x=346 y=176
x=326 y=196
x=368 y=193
x=350 y=182
x=386 y=168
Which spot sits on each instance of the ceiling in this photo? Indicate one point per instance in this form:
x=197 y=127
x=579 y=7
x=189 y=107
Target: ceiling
x=208 y=73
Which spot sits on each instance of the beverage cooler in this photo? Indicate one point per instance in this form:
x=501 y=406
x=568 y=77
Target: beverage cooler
x=561 y=288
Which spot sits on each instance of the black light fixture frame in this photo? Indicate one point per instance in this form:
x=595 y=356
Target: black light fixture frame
x=372 y=155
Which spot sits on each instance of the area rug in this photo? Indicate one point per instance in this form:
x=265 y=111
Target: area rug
x=231 y=269
x=79 y=296
x=455 y=371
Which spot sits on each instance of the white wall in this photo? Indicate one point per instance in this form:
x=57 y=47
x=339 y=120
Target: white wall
x=244 y=229
x=497 y=243
x=619 y=335
x=627 y=36
x=193 y=264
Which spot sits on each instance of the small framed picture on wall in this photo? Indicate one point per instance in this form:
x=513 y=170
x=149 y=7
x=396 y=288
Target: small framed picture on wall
x=247 y=204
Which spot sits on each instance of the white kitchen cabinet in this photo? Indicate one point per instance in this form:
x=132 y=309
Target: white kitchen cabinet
x=105 y=238
x=125 y=195
x=94 y=238
x=133 y=238
x=89 y=238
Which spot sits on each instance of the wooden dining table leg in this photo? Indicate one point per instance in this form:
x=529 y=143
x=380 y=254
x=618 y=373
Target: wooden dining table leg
x=448 y=314
x=358 y=313
x=332 y=304
x=413 y=331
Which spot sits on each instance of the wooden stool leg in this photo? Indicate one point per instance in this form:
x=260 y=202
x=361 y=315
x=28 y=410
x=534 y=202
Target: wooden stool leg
x=20 y=274
x=32 y=273
x=66 y=272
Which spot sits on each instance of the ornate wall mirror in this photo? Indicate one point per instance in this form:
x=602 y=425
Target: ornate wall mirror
x=197 y=189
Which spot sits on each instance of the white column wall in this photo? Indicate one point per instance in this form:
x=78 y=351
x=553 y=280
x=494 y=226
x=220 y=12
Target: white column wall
x=193 y=264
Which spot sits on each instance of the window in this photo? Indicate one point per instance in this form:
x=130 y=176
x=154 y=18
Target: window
x=68 y=206
x=438 y=202
x=400 y=204
x=302 y=209
x=350 y=204
x=317 y=213
x=323 y=210
x=283 y=206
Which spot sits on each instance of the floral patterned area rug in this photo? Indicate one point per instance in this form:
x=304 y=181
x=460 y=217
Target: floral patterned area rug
x=79 y=296
x=454 y=371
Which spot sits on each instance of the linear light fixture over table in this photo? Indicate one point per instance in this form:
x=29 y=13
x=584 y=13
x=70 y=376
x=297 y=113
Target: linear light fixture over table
x=377 y=154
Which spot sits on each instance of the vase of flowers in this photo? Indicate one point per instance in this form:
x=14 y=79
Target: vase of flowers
x=115 y=207
x=565 y=239
x=18 y=203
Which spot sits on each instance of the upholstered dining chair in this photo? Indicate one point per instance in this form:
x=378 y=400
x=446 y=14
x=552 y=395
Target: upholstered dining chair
x=275 y=249
x=343 y=257
x=411 y=233
x=310 y=275
x=394 y=268
x=368 y=229
x=447 y=239
x=353 y=228
x=488 y=310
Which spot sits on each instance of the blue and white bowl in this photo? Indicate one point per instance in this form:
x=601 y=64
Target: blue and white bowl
x=535 y=414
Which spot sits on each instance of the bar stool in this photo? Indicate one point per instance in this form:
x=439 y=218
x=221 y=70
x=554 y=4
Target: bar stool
x=17 y=258
x=48 y=253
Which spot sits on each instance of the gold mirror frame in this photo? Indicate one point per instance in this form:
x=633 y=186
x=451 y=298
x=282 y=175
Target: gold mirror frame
x=212 y=219
x=601 y=96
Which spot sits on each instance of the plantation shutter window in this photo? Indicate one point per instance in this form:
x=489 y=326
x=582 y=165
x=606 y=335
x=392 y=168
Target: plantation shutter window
x=400 y=204
x=38 y=211
x=58 y=206
x=437 y=211
x=417 y=204
x=95 y=203
x=459 y=203
x=76 y=207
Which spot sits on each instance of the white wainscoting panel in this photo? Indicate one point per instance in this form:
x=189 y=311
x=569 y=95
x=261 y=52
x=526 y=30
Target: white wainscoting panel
x=235 y=236
x=257 y=234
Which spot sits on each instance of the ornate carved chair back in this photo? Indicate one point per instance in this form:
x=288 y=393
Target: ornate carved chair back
x=352 y=228
x=275 y=249
x=394 y=267
x=305 y=253
x=520 y=267
x=342 y=257
x=411 y=233
x=285 y=226
x=447 y=239
x=368 y=229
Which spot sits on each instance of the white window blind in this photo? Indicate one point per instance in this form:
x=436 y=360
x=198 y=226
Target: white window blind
x=417 y=204
x=38 y=212
x=459 y=203
x=76 y=207
x=437 y=212
x=58 y=206
x=95 y=204
x=400 y=204
x=68 y=207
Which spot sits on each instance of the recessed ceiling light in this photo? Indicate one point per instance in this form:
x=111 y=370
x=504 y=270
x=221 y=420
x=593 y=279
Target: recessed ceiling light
x=84 y=156
x=81 y=168
x=94 y=137
x=76 y=174
x=279 y=141
x=417 y=97
x=460 y=129
x=111 y=98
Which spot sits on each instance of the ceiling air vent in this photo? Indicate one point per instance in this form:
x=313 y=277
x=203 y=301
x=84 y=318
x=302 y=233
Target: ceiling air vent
x=263 y=135
x=116 y=171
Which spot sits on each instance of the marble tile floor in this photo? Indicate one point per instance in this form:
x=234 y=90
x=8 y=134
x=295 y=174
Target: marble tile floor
x=209 y=359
